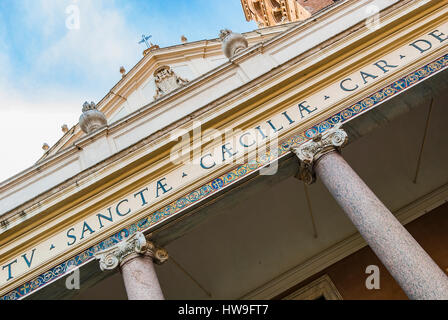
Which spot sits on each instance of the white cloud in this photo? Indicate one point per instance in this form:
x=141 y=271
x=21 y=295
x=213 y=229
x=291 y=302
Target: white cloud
x=32 y=111
x=98 y=48
x=25 y=124
x=24 y=127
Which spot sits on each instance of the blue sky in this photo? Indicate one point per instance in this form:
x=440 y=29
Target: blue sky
x=47 y=70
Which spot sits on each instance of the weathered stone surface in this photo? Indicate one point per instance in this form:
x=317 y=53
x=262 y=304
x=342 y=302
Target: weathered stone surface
x=267 y=13
x=310 y=152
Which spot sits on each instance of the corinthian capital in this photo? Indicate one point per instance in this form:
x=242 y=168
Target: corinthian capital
x=309 y=153
x=131 y=247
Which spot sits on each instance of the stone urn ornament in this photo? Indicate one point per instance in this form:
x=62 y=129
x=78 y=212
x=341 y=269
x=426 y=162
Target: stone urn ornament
x=91 y=118
x=232 y=43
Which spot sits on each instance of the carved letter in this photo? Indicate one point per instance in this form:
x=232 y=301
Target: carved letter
x=71 y=236
x=202 y=162
x=343 y=87
x=108 y=218
x=288 y=118
x=228 y=151
x=28 y=262
x=384 y=66
x=263 y=136
x=246 y=145
x=85 y=228
x=438 y=36
x=305 y=108
x=365 y=75
x=144 y=202
x=162 y=186
x=418 y=47
x=273 y=127
x=118 y=208
x=9 y=269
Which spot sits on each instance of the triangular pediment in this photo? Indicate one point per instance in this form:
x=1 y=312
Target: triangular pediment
x=137 y=88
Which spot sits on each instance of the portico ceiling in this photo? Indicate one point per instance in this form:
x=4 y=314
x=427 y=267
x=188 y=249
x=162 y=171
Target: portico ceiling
x=263 y=229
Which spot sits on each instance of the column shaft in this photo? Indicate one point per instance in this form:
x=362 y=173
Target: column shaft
x=140 y=279
x=413 y=269
x=135 y=256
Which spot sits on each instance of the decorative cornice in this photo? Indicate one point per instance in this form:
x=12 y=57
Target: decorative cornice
x=310 y=152
x=133 y=246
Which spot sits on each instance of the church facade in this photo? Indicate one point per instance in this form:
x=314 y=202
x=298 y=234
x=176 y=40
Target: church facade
x=302 y=160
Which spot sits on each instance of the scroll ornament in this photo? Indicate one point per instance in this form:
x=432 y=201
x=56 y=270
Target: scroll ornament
x=136 y=244
x=310 y=152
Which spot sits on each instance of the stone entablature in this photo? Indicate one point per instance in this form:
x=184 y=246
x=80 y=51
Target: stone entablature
x=80 y=154
x=83 y=154
x=236 y=174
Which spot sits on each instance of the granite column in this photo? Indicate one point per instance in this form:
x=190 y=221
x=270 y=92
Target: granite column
x=414 y=270
x=135 y=256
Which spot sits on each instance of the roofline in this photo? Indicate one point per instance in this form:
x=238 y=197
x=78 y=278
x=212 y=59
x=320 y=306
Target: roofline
x=289 y=27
